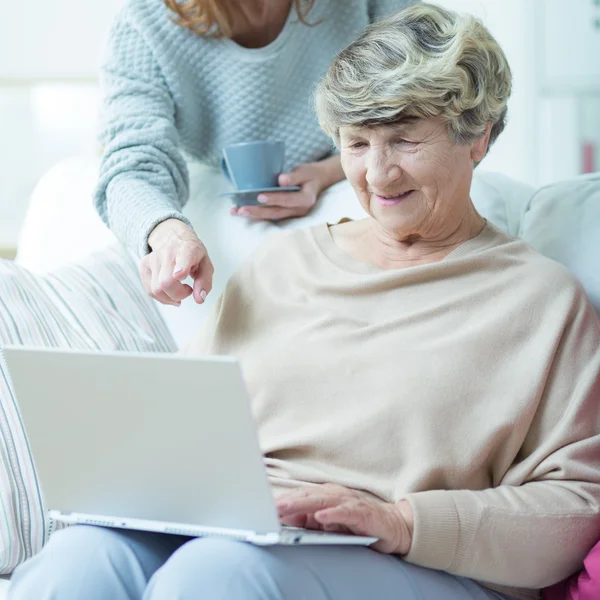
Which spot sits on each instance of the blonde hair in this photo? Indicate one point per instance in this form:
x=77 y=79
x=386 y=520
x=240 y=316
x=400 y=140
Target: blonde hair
x=423 y=61
x=212 y=17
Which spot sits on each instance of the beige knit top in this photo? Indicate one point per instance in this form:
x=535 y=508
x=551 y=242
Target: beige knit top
x=469 y=386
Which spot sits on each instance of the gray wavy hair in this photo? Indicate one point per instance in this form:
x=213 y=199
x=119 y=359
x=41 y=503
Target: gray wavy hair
x=423 y=61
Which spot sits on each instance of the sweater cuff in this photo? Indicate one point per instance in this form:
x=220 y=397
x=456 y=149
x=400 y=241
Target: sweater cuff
x=136 y=208
x=440 y=536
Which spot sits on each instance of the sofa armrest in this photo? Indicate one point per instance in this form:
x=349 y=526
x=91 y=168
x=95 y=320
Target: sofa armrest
x=4 y=585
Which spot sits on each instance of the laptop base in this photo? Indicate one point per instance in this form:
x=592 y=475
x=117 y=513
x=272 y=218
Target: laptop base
x=286 y=536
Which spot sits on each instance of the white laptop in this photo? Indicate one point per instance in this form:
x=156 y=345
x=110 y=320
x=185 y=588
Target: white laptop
x=155 y=442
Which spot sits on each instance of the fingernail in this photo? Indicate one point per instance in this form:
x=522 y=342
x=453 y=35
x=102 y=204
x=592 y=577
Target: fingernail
x=243 y=212
x=177 y=270
x=203 y=295
x=262 y=198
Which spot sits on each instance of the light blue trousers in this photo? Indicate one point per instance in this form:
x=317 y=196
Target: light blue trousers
x=92 y=563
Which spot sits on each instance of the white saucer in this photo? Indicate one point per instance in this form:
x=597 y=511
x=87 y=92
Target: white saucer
x=250 y=197
x=288 y=188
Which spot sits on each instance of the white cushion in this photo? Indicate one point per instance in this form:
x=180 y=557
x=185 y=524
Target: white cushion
x=500 y=199
x=96 y=304
x=562 y=221
x=61 y=225
x=3 y=588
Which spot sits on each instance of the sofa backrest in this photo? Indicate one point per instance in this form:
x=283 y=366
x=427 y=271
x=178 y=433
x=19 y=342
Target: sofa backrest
x=500 y=199
x=562 y=221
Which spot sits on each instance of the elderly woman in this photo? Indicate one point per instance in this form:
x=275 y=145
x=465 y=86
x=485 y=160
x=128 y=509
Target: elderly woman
x=418 y=376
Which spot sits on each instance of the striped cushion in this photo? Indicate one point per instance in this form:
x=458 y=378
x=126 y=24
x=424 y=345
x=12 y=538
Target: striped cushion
x=96 y=304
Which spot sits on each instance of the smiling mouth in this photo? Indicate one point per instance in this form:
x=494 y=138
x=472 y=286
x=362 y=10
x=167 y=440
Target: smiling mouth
x=392 y=200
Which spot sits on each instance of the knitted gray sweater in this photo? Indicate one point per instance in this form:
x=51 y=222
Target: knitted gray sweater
x=168 y=91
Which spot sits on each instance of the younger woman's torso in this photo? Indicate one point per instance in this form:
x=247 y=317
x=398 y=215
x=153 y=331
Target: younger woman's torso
x=226 y=93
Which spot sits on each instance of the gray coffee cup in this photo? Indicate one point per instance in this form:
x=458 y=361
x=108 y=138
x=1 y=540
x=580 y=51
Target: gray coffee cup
x=253 y=165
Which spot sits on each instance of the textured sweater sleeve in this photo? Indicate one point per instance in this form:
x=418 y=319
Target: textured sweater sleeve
x=143 y=177
x=545 y=510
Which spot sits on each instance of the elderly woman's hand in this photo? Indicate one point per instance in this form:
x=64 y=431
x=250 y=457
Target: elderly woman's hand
x=334 y=508
x=312 y=178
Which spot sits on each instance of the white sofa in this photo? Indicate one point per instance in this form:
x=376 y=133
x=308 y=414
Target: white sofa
x=562 y=221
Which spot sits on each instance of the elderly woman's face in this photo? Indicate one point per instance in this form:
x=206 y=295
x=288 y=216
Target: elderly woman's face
x=410 y=177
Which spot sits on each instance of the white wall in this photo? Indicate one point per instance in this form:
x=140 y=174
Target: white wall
x=512 y=23
x=49 y=57
x=553 y=47
x=53 y=39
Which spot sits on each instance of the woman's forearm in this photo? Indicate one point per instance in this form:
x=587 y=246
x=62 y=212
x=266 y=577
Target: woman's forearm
x=527 y=536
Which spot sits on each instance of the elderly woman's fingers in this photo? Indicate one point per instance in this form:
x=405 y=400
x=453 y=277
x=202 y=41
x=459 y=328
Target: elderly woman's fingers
x=321 y=490
x=300 y=520
x=352 y=514
x=370 y=518
x=334 y=508
x=303 y=521
x=350 y=517
x=335 y=528
x=308 y=504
